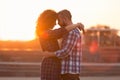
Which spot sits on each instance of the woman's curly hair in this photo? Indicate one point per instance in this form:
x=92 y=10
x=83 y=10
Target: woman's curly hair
x=46 y=20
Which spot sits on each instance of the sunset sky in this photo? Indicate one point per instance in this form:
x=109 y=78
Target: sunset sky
x=18 y=17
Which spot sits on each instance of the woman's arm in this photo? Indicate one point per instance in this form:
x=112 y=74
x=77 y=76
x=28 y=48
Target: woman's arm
x=78 y=25
x=58 y=33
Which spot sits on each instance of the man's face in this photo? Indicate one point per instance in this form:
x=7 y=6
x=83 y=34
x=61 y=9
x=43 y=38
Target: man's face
x=61 y=21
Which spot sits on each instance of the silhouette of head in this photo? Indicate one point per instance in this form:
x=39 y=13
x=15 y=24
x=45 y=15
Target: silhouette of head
x=46 y=20
x=64 y=16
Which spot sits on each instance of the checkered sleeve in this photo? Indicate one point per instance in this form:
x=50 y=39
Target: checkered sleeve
x=67 y=45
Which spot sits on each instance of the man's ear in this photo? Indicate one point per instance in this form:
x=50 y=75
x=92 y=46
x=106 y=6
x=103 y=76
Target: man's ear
x=65 y=22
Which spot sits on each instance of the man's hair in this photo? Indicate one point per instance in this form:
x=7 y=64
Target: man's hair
x=65 y=13
x=46 y=20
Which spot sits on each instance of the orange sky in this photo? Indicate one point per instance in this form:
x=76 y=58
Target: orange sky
x=18 y=17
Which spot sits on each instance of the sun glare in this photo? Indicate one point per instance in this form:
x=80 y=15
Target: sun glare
x=17 y=35
x=18 y=17
x=17 y=38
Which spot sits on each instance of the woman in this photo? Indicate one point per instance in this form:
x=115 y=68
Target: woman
x=51 y=66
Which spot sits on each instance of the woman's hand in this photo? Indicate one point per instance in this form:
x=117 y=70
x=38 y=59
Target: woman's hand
x=81 y=27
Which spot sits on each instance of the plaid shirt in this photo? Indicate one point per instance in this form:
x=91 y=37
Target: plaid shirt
x=70 y=52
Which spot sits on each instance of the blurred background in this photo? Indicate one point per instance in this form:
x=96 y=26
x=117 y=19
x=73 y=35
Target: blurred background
x=20 y=52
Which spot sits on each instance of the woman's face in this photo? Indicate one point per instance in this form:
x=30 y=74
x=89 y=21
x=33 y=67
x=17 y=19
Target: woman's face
x=54 y=23
x=51 y=24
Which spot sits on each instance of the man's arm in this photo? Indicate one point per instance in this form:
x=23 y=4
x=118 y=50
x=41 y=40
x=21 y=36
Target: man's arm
x=68 y=46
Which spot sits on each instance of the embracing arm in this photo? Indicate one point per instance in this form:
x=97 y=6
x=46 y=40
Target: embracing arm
x=72 y=26
x=68 y=45
x=58 y=33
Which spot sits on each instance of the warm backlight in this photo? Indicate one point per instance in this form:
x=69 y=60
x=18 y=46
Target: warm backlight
x=17 y=35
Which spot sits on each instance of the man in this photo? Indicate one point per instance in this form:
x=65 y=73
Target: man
x=70 y=52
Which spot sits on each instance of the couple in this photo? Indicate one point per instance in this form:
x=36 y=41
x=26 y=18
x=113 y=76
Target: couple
x=64 y=59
